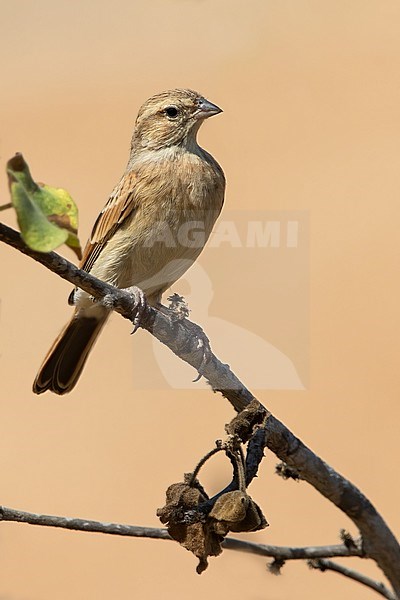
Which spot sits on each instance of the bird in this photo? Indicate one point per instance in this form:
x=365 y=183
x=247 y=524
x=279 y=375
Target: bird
x=152 y=228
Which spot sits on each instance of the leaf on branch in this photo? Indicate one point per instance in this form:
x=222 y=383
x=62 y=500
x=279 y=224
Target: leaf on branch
x=47 y=216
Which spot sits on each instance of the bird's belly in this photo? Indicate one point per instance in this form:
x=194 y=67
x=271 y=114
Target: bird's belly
x=155 y=254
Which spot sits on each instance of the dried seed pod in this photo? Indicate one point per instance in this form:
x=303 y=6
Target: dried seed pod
x=188 y=526
x=230 y=507
x=253 y=521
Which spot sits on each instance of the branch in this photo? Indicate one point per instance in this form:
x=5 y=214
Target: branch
x=328 y=565
x=379 y=542
x=292 y=552
x=315 y=554
x=280 y=552
x=186 y=340
x=177 y=335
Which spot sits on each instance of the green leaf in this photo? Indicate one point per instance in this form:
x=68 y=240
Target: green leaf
x=37 y=232
x=47 y=216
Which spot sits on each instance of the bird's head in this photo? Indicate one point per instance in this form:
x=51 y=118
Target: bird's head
x=171 y=118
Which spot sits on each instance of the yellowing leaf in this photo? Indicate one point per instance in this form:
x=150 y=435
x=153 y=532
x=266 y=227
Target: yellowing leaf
x=47 y=216
x=37 y=232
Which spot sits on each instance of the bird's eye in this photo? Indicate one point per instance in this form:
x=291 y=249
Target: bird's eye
x=171 y=112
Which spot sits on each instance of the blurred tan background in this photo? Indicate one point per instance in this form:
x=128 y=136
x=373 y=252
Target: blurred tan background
x=311 y=96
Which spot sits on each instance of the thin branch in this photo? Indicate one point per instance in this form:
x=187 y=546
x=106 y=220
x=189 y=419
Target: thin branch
x=186 y=340
x=315 y=554
x=5 y=206
x=292 y=553
x=328 y=565
x=379 y=542
x=19 y=516
x=283 y=552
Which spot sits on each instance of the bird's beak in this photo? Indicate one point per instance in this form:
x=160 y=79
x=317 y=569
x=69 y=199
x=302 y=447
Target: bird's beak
x=207 y=109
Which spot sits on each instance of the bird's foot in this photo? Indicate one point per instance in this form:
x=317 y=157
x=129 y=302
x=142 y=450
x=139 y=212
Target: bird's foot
x=140 y=307
x=139 y=301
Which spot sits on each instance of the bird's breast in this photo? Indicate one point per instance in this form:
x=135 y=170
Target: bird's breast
x=178 y=199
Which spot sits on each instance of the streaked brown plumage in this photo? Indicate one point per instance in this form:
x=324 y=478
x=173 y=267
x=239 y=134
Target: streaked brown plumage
x=142 y=237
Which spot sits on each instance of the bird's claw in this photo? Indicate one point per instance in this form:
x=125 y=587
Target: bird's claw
x=140 y=306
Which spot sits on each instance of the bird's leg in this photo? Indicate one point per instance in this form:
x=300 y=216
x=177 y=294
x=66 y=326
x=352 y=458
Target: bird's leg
x=140 y=305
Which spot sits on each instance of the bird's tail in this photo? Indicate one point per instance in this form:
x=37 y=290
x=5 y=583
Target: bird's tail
x=66 y=358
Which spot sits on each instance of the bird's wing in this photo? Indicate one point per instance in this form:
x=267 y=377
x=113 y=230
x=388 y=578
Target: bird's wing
x=120 y=204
